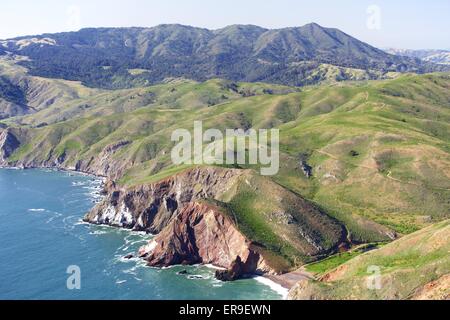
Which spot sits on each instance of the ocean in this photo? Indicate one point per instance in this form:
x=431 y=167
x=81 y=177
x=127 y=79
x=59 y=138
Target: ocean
x=43 y=241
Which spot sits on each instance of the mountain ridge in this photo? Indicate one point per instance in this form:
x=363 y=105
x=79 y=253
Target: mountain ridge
x=438 y=56
x=102 y=57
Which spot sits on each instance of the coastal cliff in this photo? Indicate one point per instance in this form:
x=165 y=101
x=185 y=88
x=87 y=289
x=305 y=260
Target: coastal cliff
x=188 y=231
x=103 y=164
x=150 y=207
x=230 y=218
x=198 y=218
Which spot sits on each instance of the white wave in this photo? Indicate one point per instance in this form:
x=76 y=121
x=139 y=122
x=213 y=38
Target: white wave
x=129 y=238
x=165 y=268
x=11 y=168
x=92 y=188
x=274 y=286
x=196 y=277
x=78 y=183
x=141 y=263
x=36 y=210
x=80 y=222
x=70 y=222
x=55 y=216
x=211 y=266
x=98 y=232
x=126 y=260
x=138 y=241
x=120 y=281
x=131 y=271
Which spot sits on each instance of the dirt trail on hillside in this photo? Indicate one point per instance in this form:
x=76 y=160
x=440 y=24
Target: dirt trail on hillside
x=388 y=176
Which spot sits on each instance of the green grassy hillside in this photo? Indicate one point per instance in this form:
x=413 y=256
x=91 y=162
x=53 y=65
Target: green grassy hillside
x=22 y=94
x=46 y=101
x=413 y=267
x=380 y=151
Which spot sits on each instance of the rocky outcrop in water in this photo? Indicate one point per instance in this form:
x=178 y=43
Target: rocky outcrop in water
x=234 y=272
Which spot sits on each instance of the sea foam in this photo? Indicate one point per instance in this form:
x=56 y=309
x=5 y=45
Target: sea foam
x=274 y=286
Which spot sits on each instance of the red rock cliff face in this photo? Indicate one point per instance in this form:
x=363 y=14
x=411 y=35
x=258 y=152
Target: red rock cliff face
x=200 y=233
x=188 y=231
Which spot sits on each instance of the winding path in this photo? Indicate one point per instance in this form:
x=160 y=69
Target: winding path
x=388 y=176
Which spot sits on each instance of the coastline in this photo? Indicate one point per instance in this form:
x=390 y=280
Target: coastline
x=275 y=283
x=66 y=240
x=70 y=170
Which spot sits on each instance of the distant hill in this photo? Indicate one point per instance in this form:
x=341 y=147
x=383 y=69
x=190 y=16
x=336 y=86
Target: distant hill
x=22 y=94
x=434 y=56
x=128 y=57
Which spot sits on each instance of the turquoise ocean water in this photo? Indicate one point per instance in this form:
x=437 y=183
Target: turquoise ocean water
x=41 y=235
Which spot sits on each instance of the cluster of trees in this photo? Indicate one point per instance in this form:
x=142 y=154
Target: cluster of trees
x=11 y=92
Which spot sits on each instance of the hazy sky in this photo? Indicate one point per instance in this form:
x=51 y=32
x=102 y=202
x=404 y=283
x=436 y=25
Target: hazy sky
x=384 y=23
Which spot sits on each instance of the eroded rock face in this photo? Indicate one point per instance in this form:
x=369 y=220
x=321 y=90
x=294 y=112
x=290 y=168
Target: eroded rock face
x=189 y=231
x=104 y=164
x=8 y=144
x=151 y=207
x=181 y=211
x=201 y=233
